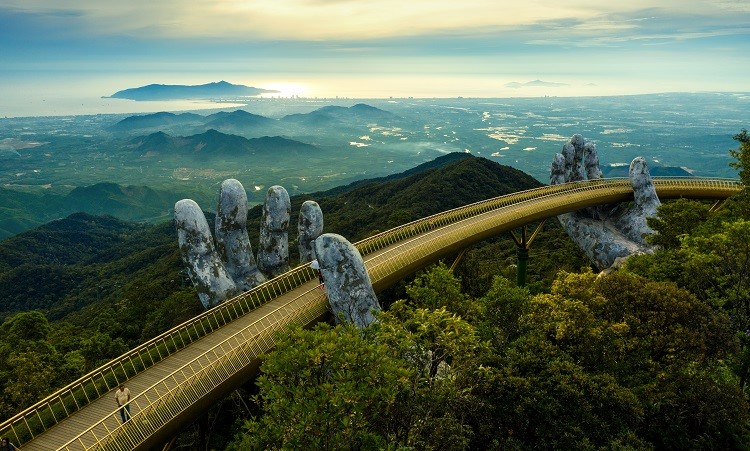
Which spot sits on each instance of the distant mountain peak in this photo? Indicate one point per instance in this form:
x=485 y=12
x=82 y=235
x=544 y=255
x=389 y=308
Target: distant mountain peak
x=220 y=89
x=537 y=82
x=360 y=111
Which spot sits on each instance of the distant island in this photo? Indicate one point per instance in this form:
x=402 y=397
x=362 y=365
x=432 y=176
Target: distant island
x=221 y=89
x=546 y=84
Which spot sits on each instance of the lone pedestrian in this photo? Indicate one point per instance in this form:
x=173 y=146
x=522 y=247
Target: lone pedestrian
x=122 y=396
x=6 y=445
x=316 y=266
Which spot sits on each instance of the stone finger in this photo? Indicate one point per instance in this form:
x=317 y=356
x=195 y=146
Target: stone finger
x=309 y=227
x=232 y=242
x=205 y=268
x=644 y=191
x=577 y=170
x=568 y=153
x=591 y=161
x=273 y=252
x=558 y=173
x=349 y=288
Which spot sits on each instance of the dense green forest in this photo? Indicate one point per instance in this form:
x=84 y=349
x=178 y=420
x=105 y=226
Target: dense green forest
x=79 y=291
x=654 y=356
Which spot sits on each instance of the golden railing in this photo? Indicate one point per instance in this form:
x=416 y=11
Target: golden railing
x=36 y=419
x=548 y=201
x=476 y=222
x=179 y=390
x=616 y=189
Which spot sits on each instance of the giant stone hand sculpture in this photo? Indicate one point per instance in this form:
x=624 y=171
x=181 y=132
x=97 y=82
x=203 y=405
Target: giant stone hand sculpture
x=606 y=233
x=228 y=268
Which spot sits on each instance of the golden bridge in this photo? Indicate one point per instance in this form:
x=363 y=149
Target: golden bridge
x=178 y=375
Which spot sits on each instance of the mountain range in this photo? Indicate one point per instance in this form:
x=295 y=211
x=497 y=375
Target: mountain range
x=213 y=143
x=331 y=118
x=21 y=211
x=221 y=89
x=72 y=252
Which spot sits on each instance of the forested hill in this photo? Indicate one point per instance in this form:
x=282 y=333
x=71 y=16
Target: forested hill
x=378 y=206
x=106 y=285
x=85 y=260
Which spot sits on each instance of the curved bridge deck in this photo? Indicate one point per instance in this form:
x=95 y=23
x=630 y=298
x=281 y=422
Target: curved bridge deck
x=178 y=375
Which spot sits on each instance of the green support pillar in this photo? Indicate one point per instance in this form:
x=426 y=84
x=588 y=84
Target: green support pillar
x=522 y=255
x=522 y=252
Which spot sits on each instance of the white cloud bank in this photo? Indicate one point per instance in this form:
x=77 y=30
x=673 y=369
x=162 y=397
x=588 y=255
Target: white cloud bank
x=357 y=19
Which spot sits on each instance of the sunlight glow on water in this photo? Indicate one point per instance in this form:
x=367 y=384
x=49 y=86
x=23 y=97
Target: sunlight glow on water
x=286 y=90
x=56 y=106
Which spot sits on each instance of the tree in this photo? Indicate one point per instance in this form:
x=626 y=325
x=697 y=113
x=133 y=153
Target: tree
x=328 y=388
x=655 y=339
x=717 y=269
x=437 y=409
x=676 y=220
x=26 y=326
x=742 y=155
x=438 y=287
x=500 y=311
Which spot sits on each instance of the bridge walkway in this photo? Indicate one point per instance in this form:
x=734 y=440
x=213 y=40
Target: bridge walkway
x=150 y=384
x=76 y=432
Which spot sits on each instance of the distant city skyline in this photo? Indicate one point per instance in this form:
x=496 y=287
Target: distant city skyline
x=352 y=48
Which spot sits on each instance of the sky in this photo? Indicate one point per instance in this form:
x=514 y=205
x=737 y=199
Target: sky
x=365 y=49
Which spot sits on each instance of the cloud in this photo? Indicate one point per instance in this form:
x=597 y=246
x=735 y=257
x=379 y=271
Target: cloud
x=356 y=19
x=492 y=42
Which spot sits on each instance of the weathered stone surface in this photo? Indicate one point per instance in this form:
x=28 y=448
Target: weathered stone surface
x=309 y=227
x=273 y=252
x=232 y=242
x=350 y=292
x=606 y=233
x=573 y=153
x=205 y=268
x=591 y=161
x=599 y=239
x=221 y=271
x=645 y=202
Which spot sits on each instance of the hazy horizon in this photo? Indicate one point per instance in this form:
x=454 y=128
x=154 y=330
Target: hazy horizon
x=69 y=55
x=90 y=95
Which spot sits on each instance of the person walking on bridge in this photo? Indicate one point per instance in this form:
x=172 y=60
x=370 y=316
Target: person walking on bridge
x=6 y=445
x=122 y=396
x=316 y=266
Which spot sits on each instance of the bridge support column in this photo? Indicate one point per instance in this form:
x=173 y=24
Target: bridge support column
x=458 y=260
x=522 y=256
x=716 y=206
x=522 y=251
